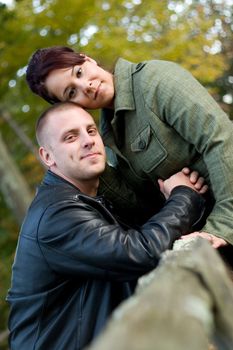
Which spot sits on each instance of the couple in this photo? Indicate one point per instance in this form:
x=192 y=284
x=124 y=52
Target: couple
x=155 y=120
x=75 y=261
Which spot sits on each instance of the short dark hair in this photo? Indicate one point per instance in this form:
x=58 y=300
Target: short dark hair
x=41 y=121
x=45 y=60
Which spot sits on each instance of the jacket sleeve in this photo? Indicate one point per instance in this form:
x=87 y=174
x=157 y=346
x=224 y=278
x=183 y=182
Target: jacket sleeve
x=184 y=104
x=77 y=239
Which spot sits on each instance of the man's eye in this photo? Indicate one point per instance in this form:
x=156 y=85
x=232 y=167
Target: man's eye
x=92 y=131
x=79 y=72
x=70 y=138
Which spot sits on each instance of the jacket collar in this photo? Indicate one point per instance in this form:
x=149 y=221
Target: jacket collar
x=52 y=179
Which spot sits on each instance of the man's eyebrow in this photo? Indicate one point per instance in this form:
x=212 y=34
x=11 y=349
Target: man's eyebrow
x=76 y=129
x=68 y=131
x=91 y=125
x=66 y=89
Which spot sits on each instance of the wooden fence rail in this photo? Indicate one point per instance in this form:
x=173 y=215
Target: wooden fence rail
x=186 y=303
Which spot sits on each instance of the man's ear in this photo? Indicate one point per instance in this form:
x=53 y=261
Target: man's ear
x=46 y=157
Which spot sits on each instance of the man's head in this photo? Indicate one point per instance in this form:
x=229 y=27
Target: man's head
x=70 y=145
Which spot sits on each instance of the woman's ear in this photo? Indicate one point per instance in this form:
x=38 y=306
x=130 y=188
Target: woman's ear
x=87 y=58
x=46 y=157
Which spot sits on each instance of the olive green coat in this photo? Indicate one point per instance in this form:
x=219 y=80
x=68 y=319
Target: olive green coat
x=165 y=120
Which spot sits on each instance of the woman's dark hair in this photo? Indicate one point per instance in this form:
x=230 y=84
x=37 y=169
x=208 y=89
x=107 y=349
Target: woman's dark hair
x=43 y=61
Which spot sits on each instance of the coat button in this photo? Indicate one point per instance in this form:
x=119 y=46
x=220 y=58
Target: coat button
x=142 y=144
x=138 y=66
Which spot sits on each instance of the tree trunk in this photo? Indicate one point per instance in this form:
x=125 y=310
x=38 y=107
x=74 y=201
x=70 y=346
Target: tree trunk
x=26 y=141
x=13 y=186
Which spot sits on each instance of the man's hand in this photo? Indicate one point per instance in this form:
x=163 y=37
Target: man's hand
x=216 y=242
x=185 y=178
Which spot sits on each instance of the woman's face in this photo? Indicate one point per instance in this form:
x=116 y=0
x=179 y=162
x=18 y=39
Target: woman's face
x=88 y=85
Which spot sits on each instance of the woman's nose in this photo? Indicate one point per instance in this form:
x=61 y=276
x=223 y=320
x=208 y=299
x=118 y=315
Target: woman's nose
x=89 y=87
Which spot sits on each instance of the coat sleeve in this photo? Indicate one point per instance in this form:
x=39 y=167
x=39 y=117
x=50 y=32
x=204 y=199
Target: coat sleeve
x=78 y=239
x=182 y=102
x=129 y=205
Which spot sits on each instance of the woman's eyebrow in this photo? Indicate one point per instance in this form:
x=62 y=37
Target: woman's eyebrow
x=66 y=89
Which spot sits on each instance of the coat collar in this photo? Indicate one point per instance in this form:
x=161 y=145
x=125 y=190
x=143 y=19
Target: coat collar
x=124 y=99
x=123 y=85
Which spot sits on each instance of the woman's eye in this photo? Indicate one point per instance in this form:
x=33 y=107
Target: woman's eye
x=71 y=93
x=79 y=72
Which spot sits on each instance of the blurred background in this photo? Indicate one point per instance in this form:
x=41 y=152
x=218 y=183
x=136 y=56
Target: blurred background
x=196 y=34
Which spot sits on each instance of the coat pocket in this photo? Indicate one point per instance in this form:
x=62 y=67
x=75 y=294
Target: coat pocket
x=148 y=150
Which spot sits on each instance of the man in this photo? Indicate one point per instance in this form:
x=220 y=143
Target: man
x=74 y=262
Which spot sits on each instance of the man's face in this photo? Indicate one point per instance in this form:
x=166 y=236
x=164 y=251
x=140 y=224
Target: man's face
x=75 y=148
x=88 y=85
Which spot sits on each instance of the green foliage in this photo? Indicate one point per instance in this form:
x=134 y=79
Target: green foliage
x=198 y=35
x=8 y=236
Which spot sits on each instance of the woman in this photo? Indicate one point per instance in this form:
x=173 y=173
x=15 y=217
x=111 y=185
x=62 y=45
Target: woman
x=156 y=119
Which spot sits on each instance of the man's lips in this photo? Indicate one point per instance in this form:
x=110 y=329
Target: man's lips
x=90 y=155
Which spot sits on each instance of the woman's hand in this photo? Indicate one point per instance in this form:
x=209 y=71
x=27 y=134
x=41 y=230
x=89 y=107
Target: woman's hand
x=183 y=178
x=197 y=180
x=216 y=242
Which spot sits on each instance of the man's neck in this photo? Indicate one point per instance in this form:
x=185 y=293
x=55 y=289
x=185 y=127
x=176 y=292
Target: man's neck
x=89 y=188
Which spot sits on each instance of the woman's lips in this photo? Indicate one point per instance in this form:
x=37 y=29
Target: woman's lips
x=97 y=91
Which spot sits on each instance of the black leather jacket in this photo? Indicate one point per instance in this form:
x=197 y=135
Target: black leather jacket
x=74 y=263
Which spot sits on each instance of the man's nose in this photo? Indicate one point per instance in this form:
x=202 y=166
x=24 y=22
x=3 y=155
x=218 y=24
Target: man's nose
x=88 y=141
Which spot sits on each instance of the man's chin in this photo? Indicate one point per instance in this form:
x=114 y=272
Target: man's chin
x=97 y=171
